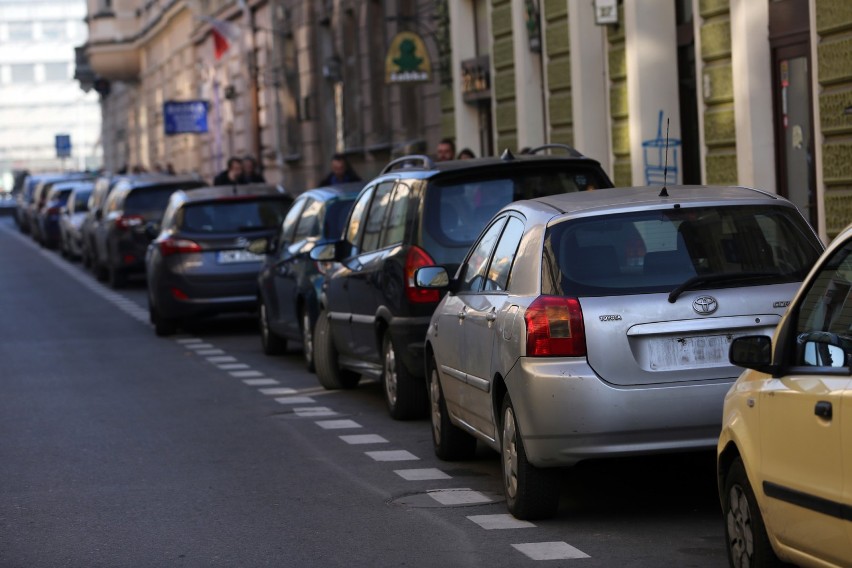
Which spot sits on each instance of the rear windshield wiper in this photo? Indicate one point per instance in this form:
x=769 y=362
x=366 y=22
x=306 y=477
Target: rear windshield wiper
x=718 y=277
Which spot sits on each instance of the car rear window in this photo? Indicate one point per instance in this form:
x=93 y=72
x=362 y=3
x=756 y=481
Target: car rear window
x=233 y=215
x=655 y=251
x=146 y=199
x=457 y=209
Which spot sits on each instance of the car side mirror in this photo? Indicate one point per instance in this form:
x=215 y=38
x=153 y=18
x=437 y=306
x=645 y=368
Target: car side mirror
x=752 y=352
x=331 y=252
x=432 y=278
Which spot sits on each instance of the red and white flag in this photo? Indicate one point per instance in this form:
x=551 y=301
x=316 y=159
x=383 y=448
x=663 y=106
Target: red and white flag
x=224 y=34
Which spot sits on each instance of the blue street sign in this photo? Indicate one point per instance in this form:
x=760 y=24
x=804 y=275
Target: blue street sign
x=185 y=117
x=63 y=145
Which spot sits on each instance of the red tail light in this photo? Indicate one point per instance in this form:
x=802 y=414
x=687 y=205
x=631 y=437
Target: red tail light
x=555 y=328
x=128 y=221
x=179 y=294
x=418 y=258
x=169 y=247
x=53 y=211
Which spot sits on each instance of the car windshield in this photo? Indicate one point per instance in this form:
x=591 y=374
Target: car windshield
x=457 y=209
x=661 y=250
x=232 y=215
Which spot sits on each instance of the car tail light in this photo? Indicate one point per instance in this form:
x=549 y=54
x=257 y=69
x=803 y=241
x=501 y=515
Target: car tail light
x=53 y=211
x=129 y=259
x=418 y=258
x=169 y=247
x=179 y=294
x=555 y=327
x=128 y=221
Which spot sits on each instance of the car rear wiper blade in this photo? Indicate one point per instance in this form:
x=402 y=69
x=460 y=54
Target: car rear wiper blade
x=718 y=277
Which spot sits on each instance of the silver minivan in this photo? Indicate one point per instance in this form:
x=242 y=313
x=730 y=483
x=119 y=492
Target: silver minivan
x=597 y=324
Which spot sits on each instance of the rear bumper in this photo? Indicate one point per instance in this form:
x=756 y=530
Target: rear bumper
x=567 y=414
x=203 y=299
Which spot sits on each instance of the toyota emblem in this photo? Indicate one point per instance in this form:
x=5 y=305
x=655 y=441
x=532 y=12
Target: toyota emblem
x=705 y=305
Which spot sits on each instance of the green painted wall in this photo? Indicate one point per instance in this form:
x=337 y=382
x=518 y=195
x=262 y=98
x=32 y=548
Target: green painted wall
x=717 y=80
x=442 y=37
x=505 y=105
x=622 y=170
x=834 y=74
x=557 y=51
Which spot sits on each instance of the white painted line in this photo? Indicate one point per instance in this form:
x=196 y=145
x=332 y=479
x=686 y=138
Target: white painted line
x=364 y=439
x=199 y=346
x=210 y=352
x=550 y=551
x=337 y=424
x=189 y=340
x=295 y=400
x=278 y=391
x=392 y=455
x=222 y=359
x=463 y=496
x=312 y=411
x=421 y=474
x=502 y=521
x=232 y=366
x=245 y=374
x=260 y=382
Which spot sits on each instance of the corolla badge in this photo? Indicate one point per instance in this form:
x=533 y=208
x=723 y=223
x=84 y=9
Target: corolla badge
x=705 y=305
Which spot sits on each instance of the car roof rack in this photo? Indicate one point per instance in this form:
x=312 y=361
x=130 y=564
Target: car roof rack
x=419 y=161
x=571 y=151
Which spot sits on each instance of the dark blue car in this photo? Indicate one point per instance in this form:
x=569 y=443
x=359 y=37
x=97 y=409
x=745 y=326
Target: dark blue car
x=290 y=282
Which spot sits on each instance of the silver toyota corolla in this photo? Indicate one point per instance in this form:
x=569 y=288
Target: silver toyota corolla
x=597 y=324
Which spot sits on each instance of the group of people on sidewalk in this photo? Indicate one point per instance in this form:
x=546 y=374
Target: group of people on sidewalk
x=245 y=170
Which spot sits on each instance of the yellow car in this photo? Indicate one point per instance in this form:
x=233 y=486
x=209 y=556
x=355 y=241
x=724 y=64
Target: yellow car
x=785 y=451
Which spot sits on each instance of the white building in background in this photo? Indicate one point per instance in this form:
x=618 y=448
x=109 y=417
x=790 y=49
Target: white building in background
x=39 y=98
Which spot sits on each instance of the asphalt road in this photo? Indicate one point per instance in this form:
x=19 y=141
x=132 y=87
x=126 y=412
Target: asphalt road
x=118 y=448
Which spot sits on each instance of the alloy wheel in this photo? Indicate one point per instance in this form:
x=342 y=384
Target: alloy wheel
x=390 y=374
x=435 y=404
x=510 y=453
x=740 y=534
x=307 y=337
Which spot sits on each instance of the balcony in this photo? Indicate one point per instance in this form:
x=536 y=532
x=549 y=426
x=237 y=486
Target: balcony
x=112 y=49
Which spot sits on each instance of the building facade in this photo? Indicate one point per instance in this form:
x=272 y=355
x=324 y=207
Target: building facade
x=38 y=96
x=748 y=92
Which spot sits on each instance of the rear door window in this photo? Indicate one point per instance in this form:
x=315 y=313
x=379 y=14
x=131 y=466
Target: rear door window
x=397 y=218
x=504 y=256
x=376 y=217
x=356 y=219
x=473 y=273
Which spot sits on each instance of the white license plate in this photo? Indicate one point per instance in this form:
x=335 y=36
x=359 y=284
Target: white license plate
x=690 y=352
x=233 y=256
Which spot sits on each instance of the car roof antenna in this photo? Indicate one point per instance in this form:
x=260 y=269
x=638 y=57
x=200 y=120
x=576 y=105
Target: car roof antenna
x=663 y=192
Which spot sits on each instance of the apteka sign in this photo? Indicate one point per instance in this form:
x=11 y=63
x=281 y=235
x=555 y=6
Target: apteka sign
x=407 y=60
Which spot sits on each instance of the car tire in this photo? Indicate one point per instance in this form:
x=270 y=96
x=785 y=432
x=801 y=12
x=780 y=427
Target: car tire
x=531 y=492
x=404 y=394
x=272 y=343
x=450 y=441
x=163 y=327
x=308 y=340
x=744 y=526
x=330 y=376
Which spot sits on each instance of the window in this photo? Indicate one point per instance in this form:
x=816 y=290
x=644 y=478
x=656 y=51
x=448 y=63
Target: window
x=20 y=31
x=290 y=221
x=22 y=72
x=473 y=274
x=309 y=222
x=353 y=231
x=395 y=230
x=376 y=217
x=232 y=216
x=824 y=326
x=53 y=31
x=504 y=256
x=56 y=72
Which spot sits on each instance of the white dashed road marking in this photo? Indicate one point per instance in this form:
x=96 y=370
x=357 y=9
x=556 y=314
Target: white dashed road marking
x=278 y=391
x=364 y=439
x=245 y=374
x=232 y=366
x=259 y=382
x=295 y=400
x=462 y=496
x=337 y=424
x=199 y=346
x=392 y=455
x=425 y=474
x=189 y=340
x=550 y=551
x=222 y=359
x=504 y=521
x=211 y=352
x=313 y=411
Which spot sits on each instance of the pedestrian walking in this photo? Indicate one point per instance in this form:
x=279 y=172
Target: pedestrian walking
x=233 y=175
x=341 y=172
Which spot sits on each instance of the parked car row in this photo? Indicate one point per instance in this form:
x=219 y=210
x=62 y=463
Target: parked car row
x=523 y=303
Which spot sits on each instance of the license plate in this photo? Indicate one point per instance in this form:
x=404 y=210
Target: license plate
x=234 y=256
x=690 y=352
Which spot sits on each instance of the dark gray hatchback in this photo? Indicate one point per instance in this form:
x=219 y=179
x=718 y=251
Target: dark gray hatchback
x=200 y=263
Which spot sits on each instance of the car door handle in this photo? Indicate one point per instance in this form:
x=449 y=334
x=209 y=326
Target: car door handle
x=491 y=316
x=823 y=409
x=463 y=313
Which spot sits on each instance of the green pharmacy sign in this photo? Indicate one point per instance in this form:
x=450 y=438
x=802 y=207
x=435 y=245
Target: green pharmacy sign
x=407 y=60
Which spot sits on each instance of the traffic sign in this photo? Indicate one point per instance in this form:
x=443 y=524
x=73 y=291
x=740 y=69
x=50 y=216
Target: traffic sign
x=63 y=145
